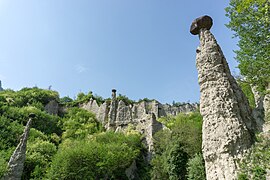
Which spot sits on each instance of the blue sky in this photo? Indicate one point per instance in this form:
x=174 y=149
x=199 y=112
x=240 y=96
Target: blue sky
x=142 y=48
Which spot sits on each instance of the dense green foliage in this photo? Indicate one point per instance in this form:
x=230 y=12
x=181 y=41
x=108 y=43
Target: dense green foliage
x=28 y=96
x=174 y=147
x=105 y=155
x=196 y=170
x=250 y=19
x=40 y=150
x=246 y=88
x=78 y=123
x=257 y=161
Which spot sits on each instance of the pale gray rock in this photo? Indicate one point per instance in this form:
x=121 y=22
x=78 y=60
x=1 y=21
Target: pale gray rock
x=120 y=113
x=148 y=126
x=1 y=89
x=168 y=110
x=101 y=111
x=139 y=110
x=131 y=172
x=266 y=104
x=102 y=114
x=258 y=97
x=16 y=162
x=52 y=107
x=112 y=111
x=258 y=111
x=123 y=114
x=91 y=106
x=227 y=121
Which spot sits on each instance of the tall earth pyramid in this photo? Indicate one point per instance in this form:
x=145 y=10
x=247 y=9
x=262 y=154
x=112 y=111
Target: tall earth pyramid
x=16 y=161
x=228 y=127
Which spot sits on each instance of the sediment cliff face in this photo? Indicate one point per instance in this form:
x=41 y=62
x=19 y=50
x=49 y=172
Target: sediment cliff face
x=117 y=113
x=227 y=121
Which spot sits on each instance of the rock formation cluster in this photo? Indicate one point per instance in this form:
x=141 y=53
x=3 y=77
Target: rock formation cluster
x=228 y=125
x=118 y=114
x=142 y=116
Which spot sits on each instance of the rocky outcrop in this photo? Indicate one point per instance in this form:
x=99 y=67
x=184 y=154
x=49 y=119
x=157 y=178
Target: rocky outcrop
x=116 y=113
x=131 y=172
x=16 y=162
x=52 y=107
x=258 y=111
x=227 y=121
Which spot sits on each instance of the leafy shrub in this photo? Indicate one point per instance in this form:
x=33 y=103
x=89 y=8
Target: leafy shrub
x=185 y=129
x=255 y=164
x=246 y=88
x=177 y=162
x=98 y=158
x=79 y=123
x=196 y=169
x=3 y=166
x=125 y=99
x=65 y=100
x=10 y=132
x=145 y=100
x=38 y=157
x=4 y=158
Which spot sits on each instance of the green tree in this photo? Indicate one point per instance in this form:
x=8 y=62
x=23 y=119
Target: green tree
x=125 y=99
x=256 y=163
x=246 y=88
x=104 y=156
x=177 y=162
x=196 y=169
x=176 y=145
x=250 y=19
x=79 y=123
x=65 y=100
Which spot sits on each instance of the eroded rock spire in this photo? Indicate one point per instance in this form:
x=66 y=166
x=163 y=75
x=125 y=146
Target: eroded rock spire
x=1 y=89
x=227 y=121
x=113 y=111
x=16 y=162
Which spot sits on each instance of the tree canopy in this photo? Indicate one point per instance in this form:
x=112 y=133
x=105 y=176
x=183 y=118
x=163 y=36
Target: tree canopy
x=250 y=20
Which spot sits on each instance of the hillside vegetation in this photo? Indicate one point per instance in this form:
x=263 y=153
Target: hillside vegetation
x=73 y=144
